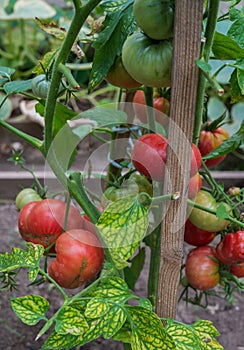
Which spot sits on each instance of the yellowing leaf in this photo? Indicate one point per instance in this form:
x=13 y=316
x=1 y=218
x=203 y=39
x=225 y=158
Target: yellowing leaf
x=147 y=331
x=122 y=226
x=70 y=321
x=30 y=309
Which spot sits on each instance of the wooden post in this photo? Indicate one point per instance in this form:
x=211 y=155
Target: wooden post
x=187 y=44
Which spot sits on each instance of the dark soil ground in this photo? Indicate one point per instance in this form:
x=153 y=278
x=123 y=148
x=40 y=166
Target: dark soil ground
x=14 y=335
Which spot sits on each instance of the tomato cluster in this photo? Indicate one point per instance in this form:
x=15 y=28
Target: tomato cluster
x=79 y=255
x=204 y=264
x=147 y=55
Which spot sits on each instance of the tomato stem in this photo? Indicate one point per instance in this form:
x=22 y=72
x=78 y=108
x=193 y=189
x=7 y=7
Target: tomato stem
x=148 y=91
x=81 y=13
x=35 y=142
x=68 y=75
x=209 y=35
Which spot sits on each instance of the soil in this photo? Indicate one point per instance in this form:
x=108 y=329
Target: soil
x=14 y=335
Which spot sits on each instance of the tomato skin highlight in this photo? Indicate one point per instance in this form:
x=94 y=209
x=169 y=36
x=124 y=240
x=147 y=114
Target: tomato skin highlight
x=118 y=76
x=204 y=220
x=149 y=156
x=148 y=61
x=150 y=14
x=195 y=236
x=230 y=249
x=202 y=268
x=42 y=222
x=208 y=141
x=160 y=104
x=79 y=258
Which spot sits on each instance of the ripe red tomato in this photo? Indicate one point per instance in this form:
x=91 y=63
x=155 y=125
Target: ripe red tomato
x=230 y=249
x=195 y=236
x=79 y=258
x=149 y=156
x=237 y=270
x=195 y=185
x=208 y=141
x=202 y=268
x=160 y=104
x=118 y=76
x=42 y=222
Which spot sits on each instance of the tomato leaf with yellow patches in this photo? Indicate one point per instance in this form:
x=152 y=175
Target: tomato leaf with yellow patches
x=30 y=309
x=201 y=335
x=147 y=330
x=19 y=258
x=122 y=226
x=58 y=341
x=70 y=321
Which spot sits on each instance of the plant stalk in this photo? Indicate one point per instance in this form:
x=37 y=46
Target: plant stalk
x=209 y=35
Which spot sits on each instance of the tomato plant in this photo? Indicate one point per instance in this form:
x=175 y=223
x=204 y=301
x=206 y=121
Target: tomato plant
x=79 y=258
x=150 y=15
x=41 y=222
x=149 y=156
x=147 y=61
x=205 y=220
x=119 y=76
x=26 y=196
x=202 y=268
x=160 y=104
x=209 y=140
x=195 y=236
x=102 y=307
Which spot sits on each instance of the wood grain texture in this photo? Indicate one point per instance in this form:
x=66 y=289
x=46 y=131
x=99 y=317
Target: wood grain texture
x=187 y=43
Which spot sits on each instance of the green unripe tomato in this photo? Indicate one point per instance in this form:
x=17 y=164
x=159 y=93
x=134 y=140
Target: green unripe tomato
x=155 y=18
x=148 y=61
x=27 y=195
x=204 y=220
x=40 y=86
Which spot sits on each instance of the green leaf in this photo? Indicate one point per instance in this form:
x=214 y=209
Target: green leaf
x=221 y=212
x=206 y=331
x=225 y=48
x=183 y=337
x=61 y=115
x=235 y=141
x=104 y=116
x=240 y=74
x=30 y=309
x=236 y=31
x=19 y=258
x=17 y=86
x=70 y=321
x=122 y=226
x=132 y=273
x=58 y=341
x=6 y=72
x=6 y=108
x=204 y=66
x=118 y=24
x=236 y=95
x=32 y=273
x=147 y=330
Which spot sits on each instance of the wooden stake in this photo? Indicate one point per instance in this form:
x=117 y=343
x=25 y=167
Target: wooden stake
x=187 y=44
